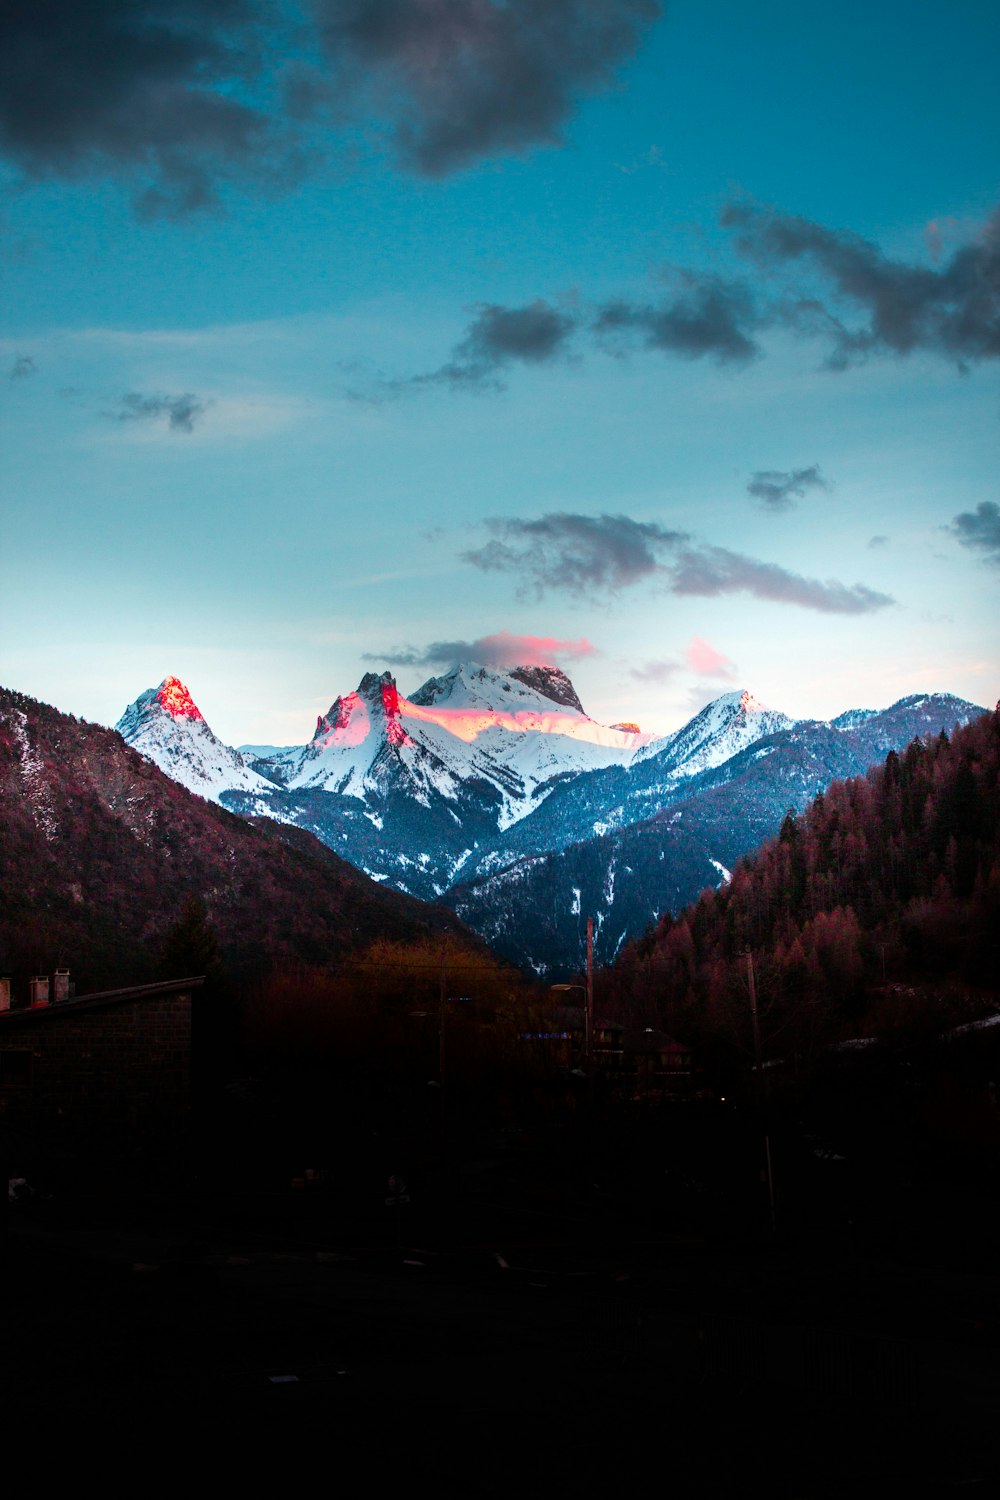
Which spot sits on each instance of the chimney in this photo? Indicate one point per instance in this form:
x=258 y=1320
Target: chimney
x=4 y=993
x=60 y=985
x=39 y=989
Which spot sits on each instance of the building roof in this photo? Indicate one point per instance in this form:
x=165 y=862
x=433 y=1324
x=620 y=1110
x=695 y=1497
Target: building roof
x=100 y=998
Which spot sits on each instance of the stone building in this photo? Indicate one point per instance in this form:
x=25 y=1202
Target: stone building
x=108 y=1071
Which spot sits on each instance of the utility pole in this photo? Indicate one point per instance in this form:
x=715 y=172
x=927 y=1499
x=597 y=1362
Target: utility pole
x=588 y=1034
x=442 y=1012
x=761 y=1088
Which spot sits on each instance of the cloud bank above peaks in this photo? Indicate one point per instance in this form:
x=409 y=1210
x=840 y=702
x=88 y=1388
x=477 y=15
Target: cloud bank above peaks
x=504 y=649
x=595 y=557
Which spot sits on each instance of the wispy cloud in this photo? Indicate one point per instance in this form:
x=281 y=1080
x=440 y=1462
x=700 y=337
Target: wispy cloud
x=778 y=489
x=181 y=412
x=710 y=572
x=656 y=672
x=979 y=530
x=597 y=556
x=703 y=658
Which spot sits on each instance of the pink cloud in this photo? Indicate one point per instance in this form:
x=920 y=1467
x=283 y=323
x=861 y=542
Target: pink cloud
x=505 y=649
x=703 y=658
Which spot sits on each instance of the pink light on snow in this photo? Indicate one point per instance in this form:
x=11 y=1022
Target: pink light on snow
x=350 y=725
x=175 y=698
x=469 y=723
x=394 y=731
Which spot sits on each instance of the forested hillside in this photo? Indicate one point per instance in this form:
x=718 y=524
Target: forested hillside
x=882 y=899
x=110 y=868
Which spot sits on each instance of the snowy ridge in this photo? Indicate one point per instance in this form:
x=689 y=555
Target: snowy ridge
x=721 y=730
x=516 y=731
x=166 y=726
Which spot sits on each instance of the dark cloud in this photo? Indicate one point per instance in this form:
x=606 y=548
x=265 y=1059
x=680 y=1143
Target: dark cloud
x=180 y=99
x=828 y=276
x=709 y=572
x=533 y=333
x=498 y=336
x=778 y=489
x=877 y=543
x=581 y=555
x=953 y=311
x=461 y=80
x=590 y=556
x=504 y=649
x=138 y=88
x=980 y=530
x=23 y=367
x=182 y=412
x=709 y=316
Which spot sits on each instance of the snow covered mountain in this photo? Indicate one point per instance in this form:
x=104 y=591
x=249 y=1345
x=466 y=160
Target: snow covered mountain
x=408 y=789
x=651 y=854
x=166 y=725
x=722 y=729
x=515 y=732
x=590 y=806
x=493 y=790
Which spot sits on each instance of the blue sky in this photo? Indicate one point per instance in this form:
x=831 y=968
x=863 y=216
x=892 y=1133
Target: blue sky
x=355 y=333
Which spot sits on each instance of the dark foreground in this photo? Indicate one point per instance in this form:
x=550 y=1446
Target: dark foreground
x=531 y=1321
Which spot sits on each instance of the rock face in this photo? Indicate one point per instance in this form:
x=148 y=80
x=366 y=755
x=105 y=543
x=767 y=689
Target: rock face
x=494 y=791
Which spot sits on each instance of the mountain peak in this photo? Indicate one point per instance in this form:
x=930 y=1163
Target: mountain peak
x=166 y=726
x=489 y=684
x=350 y=720
x=373 y=684
x=742 y=700
x=551 y=682
x=173 y=696
x=718 y=731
